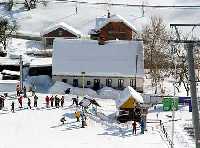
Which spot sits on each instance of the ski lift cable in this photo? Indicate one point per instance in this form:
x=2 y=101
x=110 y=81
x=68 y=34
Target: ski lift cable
x=130 y=5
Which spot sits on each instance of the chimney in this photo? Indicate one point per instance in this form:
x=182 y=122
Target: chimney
x=108 y=14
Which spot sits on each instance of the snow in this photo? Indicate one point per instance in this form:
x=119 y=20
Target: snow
x=40 y=127
x=112 y=59
x=8 y=85
x=115 y=18
x=108 y=93
x=9 y=72
x=126 y=93
x=40 y=62
x=63 y=26
x=41 y=83
x=61 y=87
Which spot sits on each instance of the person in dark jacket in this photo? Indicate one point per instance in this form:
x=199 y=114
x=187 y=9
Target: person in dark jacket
x=62 y=100
x=142 y=126
x=52 y=100
x=24 y=90
x=13 y=107
x=35 y=100
x=134 y=124
x=29 y=103
x=63 y=120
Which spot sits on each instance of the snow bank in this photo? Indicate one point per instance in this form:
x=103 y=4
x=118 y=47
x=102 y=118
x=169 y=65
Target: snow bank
x=8 y=85
x=41 y=83
x=60 y=87
x=108 y=93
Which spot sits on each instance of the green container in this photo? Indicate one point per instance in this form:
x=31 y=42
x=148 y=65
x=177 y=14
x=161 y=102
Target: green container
x=168 y=103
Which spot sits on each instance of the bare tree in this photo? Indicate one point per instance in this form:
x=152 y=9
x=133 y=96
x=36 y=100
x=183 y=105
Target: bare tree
x=156 y=49
x=181 y=74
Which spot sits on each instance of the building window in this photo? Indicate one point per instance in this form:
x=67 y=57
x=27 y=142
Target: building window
x=88 y=82
x=75 y=82
x=64 y=80
x=120 y=83
x=132 y=83
x=60 y=33
x=109 y=82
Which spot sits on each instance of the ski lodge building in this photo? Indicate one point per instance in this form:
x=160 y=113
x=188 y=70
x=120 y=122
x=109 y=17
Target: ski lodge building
x=116 y=63
x=113 y=27
x=60 y=30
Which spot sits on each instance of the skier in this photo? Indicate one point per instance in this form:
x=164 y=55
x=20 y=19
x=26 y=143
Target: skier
x=18 y=90
x=51 y=100
x=142 y=126
x=2 y=99
x=134 y=124
x=157 y=115
x=20 y=101
x=29 y=103
x=13 y=107
x=35 y=101
x=56 y=101
x=77 y=115
x=63 y=120
x=62 y=101
x=24 y=90
x=83 y=119
x=47 y=101
x=76 y=101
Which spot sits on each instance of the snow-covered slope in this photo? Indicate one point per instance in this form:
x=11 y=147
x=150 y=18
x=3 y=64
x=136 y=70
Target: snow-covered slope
x=40 y=127
x=84 y=20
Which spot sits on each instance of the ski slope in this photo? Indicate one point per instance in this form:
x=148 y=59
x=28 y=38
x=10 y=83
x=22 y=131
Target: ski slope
x=41 y=127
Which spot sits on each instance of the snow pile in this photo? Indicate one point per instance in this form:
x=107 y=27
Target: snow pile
x=41 y=83
x=108 y=93
x=61 y=87
x=87 y=91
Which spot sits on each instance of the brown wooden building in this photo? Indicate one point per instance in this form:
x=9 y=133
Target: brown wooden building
x=113 y=27
x=60 y=30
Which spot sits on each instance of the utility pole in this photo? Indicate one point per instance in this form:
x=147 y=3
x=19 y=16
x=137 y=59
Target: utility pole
x=21 y=72
x=195 y=112
x=136 y=63
x=83 y=74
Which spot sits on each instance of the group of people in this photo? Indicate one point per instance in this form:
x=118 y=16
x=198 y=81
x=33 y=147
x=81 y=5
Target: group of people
x=58 y=101
x=134 y=125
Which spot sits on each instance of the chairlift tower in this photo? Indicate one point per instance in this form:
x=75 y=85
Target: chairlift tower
x=189 y=46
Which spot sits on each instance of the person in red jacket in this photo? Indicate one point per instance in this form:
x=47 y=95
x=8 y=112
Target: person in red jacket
x=20 y=101
x=47 y=101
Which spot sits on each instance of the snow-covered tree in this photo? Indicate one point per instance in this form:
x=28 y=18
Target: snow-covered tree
x=6 y=30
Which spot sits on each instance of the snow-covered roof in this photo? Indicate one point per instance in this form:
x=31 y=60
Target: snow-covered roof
x=9 y=72
x=125 y=94
x=63 y=26
x=115 y=18
x=115 y=58
x=41 y=62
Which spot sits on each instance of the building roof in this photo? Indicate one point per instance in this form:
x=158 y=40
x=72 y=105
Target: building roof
x=115 y=58
x=115 y=18
x=125 y=94
x=63 y=26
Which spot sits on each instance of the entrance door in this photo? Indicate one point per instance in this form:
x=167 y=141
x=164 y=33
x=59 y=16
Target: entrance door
x=96 y=84
x=75 y=82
